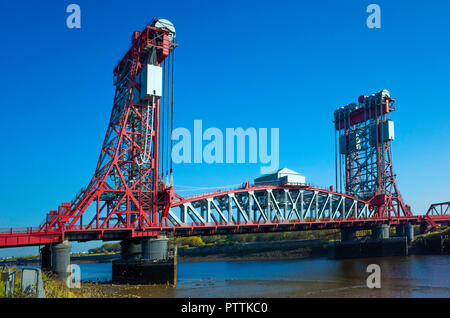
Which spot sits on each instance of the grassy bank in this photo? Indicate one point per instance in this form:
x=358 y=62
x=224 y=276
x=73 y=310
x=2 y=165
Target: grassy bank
x=53 y=288
x=256 y=251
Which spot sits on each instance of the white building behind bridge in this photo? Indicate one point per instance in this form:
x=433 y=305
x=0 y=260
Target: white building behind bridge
x=282 y=176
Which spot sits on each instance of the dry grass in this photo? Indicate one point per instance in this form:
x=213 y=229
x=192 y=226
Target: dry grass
x=55 y=288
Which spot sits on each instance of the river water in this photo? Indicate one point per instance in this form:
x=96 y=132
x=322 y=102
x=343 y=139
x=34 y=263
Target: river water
x=413 y=276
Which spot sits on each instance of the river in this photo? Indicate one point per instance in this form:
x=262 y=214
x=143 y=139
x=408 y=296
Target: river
x=413 y=276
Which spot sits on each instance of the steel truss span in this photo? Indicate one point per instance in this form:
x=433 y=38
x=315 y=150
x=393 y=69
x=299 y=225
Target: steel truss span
x=271 y=204
x=439 y=209
x=246 y=210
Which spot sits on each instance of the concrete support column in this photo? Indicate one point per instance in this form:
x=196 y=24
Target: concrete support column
x=46 y=258
x=146 y=261
x=400 y=230
x=130 y=250
x=409 y=229
x=381 y=232
x=60 y=259
x=348 y=234
x=155 y=248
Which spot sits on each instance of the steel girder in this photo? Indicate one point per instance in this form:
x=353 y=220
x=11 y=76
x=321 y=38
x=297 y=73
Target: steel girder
x=267 y=205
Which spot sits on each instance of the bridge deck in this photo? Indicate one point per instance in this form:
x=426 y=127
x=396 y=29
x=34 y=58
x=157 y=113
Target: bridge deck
x=28 y=237
x=249 y=209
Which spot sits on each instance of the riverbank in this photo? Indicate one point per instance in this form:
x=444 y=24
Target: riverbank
x=278 y=250
x=431 y=243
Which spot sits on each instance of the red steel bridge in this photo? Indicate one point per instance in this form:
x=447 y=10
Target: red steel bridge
x=131 y=194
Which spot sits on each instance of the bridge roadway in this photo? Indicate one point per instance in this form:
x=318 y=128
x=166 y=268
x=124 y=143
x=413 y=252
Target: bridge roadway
x=249 y=209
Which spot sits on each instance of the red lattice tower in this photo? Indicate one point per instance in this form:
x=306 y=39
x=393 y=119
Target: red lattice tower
x=127 y=190
x=364 y=168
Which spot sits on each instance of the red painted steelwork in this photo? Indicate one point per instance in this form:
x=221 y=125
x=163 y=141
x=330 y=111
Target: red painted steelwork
x=125 y=191
x=37 y=236
x=357 y=115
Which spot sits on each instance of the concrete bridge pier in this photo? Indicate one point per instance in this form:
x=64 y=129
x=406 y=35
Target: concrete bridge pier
x=348 y=234
x=348 y=247
x=55 y=258
x=378 y=245
x=155 y=248
x=61 y=259
x=130 y=250
x=46 y=258
x=400 y=230
x=381 y=232
x=409 y=231
x=146 y=261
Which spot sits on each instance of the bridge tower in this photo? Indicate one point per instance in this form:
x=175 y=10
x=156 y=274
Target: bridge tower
x=130 y=186
x=363 y=153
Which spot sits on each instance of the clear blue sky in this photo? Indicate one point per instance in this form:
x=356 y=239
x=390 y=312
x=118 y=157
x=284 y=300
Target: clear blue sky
x=285 y=64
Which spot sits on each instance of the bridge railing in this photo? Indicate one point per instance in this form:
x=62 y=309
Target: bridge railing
x=276 y=222
x=200 y=194
x=81 y=227
x=20 y=230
